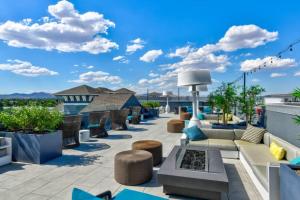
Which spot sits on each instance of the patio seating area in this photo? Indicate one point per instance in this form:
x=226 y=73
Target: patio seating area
x=90 y=167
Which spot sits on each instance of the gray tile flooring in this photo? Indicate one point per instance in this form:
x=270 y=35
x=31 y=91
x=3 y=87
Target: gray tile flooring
x=90 y=167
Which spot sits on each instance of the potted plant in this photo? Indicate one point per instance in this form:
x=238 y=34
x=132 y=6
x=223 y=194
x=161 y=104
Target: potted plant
x=248 y=104
x=152 y=107
x=33 y=129
x=225 y=97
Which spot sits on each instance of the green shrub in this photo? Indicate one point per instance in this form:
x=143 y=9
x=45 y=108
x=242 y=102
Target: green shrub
x=151 y=104
x=31 y=119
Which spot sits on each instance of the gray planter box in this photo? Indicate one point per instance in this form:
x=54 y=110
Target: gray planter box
x=35 y=148
x=289 y=182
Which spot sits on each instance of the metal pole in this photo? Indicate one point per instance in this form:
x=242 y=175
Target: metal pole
x=147 y=94
x=244 y=88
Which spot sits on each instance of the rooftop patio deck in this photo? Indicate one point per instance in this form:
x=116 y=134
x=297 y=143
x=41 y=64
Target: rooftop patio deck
x=91 y=167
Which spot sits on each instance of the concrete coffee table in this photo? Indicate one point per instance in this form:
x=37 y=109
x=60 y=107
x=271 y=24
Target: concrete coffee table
x=204 y=177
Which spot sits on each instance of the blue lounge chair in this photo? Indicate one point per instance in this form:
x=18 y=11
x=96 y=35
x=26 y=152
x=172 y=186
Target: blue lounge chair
x=125 y=194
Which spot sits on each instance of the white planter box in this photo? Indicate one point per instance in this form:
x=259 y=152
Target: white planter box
x=7 y=146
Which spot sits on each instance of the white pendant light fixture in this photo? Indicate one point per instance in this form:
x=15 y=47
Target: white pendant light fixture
x=194 y=79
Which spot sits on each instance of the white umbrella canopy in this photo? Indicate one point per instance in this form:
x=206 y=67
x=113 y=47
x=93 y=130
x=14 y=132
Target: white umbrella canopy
x=193 y=79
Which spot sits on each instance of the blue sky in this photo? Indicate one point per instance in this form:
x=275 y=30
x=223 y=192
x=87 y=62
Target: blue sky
x=54 y=45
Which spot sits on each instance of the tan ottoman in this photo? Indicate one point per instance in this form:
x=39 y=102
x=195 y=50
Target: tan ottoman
x=133 y=167
x=152 y=146
x=175 y=126
x=185 y=116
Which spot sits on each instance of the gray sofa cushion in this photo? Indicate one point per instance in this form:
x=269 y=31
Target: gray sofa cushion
x=258 y=154
x=226 y=134
x=240 y=143
x=238 y=133
x=199 y=142
x=222 y=144
x=253 y=134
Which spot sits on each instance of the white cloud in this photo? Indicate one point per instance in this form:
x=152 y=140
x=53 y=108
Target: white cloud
x=248 y=65
x=235 y=38
x=151 y=56
x=90 y=67
x=297 y=73
x=255 y=80
x=276 y=75
x=151 y=74
x=211 y=56
x=245 y=36
x=25 y=68
x=135 y=45
x=65 y=30
x=121 y=59
x=97 y=77
x=181 y=52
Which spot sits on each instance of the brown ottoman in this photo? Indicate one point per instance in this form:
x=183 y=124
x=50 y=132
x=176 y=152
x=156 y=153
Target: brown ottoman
x=133 y=167
x=175 y=126
x=152 y=146
x=185 y=116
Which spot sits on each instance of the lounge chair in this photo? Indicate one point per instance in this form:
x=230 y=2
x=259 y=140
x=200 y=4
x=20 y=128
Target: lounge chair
x=136 y=115
x=125 y=194
x=118 y=119
x=97 y=121
x=70 y=130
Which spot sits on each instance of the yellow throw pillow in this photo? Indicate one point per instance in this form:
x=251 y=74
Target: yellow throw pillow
x=277 y=151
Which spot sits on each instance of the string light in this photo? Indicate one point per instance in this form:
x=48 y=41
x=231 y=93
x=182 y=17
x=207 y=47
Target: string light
x=265 y=64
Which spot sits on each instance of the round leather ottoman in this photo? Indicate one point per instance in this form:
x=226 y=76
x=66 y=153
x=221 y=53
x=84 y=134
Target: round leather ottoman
x=152 y=146
x=133 y=167
x=185 y=116
x=175 y=126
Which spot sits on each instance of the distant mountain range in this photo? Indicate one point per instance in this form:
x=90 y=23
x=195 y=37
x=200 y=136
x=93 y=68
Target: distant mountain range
x=34 y=95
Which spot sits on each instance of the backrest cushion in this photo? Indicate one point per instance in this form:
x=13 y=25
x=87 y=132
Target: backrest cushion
x=238 y=133
x=226 y=134
x=253 y=134
x=266 y=138
x=291 y=150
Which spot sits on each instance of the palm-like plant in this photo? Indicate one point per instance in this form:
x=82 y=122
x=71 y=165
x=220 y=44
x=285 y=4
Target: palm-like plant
x=296 y=94
x=225 y=97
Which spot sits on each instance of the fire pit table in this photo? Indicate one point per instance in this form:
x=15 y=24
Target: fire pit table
x=194 y=171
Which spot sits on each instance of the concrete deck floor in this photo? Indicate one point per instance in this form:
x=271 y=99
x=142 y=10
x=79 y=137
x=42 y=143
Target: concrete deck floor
x=90 y=167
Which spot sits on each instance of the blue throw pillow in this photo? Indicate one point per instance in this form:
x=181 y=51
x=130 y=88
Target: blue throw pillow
x=78 y=194
x=295 y=161
x=194 y=133
x=201 y=116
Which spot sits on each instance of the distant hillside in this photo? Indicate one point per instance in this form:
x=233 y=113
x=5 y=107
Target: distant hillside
x=34 y=95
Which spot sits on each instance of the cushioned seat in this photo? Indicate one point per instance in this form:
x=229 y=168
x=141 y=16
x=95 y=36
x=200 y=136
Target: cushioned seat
x=152 y=146
x=175 y=126
x=133 y=167
x=199 y=142
x=240 y=143
x=258 y=154
x=222 y=144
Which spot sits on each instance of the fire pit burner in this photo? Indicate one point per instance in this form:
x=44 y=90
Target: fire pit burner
x=194 y=160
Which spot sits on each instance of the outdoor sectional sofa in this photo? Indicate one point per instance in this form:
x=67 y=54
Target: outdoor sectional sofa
x=260 y=164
